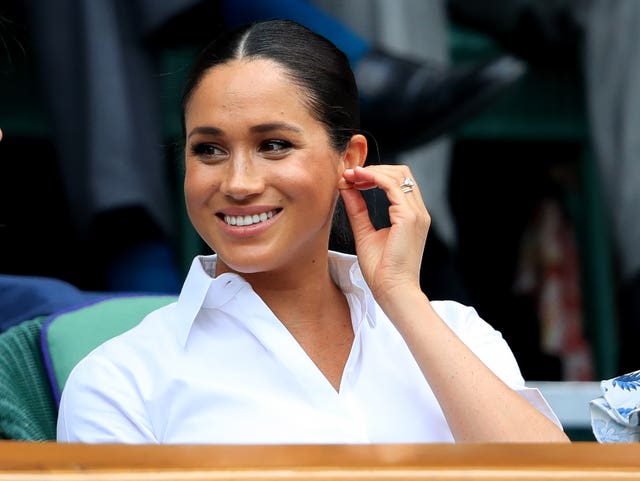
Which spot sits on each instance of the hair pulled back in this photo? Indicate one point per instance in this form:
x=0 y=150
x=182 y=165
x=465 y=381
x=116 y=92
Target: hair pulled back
x=312 y=62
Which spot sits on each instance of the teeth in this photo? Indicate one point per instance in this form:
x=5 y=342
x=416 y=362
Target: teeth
x=243 y=220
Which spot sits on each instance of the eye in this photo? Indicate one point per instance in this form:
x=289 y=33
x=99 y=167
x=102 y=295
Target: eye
x=275 y=146
x=208 y=151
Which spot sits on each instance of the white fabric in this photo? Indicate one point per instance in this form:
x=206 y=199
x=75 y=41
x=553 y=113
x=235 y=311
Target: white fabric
x=218 y=367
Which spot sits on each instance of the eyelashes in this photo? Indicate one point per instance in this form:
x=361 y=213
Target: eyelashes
x=275 y=145
x=207 y=150
x=270 y=149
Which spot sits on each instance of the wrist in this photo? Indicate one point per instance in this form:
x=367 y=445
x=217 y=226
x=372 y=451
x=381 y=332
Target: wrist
x=404 y=305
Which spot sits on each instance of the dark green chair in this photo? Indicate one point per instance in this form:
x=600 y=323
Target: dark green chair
x=36 y=357
x=27 y=408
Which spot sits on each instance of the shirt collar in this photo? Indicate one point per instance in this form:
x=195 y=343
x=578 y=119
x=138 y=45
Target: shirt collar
x=202 y=289
x=345 y=272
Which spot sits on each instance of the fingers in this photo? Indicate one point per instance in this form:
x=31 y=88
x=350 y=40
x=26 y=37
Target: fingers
x=357 y=212
x=392 y=255
x=350 y=181
x=389 y=178
x=407 y=206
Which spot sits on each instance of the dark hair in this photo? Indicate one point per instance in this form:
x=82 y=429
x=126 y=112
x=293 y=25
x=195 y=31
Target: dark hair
x=312 y=62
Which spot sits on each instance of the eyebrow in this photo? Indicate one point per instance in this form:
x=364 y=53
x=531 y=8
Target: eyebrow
x=258 y=129
x=205 y=131
x=269 y=127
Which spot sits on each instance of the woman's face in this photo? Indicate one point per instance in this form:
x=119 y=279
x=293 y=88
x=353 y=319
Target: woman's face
x=261 y=176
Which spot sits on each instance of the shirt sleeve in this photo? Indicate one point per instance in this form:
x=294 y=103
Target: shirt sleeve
x=491 y=348
x=101 y=404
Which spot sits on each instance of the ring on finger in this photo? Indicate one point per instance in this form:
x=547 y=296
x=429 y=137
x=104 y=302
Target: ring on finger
x=407 y=185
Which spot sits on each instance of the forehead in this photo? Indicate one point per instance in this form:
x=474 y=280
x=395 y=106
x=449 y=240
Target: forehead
x=243 y=86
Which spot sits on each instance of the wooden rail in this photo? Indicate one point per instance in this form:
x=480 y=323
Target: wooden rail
x=583 y=461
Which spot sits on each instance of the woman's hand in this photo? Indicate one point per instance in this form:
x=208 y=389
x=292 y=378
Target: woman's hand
x=478 y=406
x=389 y=258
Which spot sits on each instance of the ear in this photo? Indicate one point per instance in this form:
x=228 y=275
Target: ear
x=356 y=152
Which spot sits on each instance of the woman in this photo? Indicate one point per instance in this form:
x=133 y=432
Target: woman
x=275 y=339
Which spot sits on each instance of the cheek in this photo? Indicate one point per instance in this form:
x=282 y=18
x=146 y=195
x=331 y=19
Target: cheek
x=198 y=186
x=321 y=171
x=304 y=183
x=190 y=186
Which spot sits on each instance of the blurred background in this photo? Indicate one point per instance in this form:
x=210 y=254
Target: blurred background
x=531 y=189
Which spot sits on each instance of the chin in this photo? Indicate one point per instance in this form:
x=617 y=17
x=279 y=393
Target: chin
x=243 y=264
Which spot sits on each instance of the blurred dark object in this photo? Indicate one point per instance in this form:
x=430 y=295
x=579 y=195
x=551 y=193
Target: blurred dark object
x=542 y=32
x=407 y=103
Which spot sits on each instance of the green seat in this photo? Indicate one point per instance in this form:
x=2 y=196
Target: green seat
x=69 y=336
x=27 y=406
x=36 y=356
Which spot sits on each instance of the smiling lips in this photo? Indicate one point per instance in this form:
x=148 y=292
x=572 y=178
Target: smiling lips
x=245 y=220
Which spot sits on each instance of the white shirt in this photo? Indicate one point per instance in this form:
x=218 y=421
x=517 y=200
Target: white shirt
x=217 y=366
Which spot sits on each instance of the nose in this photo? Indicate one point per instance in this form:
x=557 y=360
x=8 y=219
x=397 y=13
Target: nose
x=243 y=178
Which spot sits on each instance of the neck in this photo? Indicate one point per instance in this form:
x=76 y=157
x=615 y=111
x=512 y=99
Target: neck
x=301 y=293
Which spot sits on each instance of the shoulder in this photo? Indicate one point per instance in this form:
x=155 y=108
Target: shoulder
x=155 y=334
x=482 y=339
x=126 y=357
x=467 y=324
x=104 y=398
x=462 y=319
